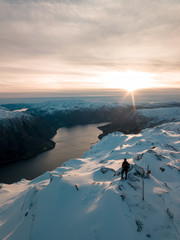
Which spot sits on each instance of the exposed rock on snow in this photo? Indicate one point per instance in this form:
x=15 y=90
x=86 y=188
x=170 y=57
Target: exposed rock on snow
x=139 y=225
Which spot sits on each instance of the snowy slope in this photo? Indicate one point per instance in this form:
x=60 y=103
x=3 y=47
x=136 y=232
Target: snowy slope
x=7 y=117
x=86 y=198
x=161 y=114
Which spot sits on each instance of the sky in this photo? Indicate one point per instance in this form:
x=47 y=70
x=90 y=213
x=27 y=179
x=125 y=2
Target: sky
x=60 y=45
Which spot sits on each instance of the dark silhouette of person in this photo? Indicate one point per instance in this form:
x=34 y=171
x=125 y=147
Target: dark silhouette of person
x=125 y=167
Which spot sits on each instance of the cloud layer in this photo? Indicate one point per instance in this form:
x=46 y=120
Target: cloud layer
x=54 y=44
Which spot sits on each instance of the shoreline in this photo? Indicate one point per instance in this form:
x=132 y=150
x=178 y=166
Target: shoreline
x=50 y=159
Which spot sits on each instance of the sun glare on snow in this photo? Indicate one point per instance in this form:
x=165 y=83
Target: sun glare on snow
x=129 y=80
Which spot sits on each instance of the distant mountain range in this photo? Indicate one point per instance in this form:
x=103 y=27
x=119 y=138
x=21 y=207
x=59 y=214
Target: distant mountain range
x=25 y=134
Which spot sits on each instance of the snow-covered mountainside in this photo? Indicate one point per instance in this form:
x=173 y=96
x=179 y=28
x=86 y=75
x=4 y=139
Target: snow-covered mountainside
x=22 y=136
x=69 y=105
x=73 y=112
x=86 y=198
x=52 y=107
x=6 y=117
x=130 y=121
x=122 y=116
x=157 y=115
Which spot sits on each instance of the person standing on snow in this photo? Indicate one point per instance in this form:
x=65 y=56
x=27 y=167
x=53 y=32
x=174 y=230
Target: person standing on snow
x=125 y=167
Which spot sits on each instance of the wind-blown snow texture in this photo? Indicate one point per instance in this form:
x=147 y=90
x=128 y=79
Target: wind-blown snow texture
x=86 y=198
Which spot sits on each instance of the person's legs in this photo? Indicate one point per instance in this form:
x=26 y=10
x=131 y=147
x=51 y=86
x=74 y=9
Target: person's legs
x=122 y=173
x=126 y=171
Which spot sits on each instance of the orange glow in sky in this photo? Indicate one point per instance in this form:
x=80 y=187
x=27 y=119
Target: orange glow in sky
x=58 y=45
x=129 y=80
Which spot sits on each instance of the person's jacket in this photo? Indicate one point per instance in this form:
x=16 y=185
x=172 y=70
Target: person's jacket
x=125 y=165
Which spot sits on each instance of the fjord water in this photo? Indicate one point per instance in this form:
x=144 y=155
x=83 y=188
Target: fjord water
x=70 y=143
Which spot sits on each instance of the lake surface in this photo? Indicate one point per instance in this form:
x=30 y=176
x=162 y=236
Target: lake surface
x=70 y=143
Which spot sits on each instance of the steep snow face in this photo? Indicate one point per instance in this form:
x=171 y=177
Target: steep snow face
x=86 y=198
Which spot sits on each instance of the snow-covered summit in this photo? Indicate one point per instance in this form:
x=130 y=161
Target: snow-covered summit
x=86 y=198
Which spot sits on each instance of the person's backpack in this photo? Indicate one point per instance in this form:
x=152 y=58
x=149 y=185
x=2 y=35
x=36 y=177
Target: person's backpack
x=125 y=165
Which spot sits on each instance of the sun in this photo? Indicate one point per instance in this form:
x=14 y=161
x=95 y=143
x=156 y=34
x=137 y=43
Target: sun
x=129 y=80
